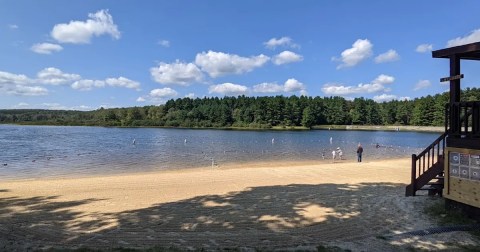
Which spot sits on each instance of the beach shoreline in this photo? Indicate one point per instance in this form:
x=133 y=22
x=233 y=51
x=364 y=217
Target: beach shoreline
x=216 y=166
x=263 y=206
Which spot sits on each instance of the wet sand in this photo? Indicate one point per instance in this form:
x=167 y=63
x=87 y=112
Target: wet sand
x=258 y=205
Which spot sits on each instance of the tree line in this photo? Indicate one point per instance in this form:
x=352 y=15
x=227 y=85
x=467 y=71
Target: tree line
x=252 y=112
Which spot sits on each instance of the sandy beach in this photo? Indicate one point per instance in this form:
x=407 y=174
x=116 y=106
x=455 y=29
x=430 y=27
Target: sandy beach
x=267 y=206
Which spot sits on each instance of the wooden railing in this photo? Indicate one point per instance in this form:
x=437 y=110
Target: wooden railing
x=423 y=163
x=462 y=119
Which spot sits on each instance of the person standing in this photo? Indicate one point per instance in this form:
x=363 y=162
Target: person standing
x=359 y=152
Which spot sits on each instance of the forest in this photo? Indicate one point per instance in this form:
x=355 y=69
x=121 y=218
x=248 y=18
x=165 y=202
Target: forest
x=252 y=112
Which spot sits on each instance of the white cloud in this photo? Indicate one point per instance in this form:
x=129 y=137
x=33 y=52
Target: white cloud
x=54 y=76
x=19 y=84
x=13 y=26
x=58 y=106
x=389 y=56
x=293 y=85
x=377 y=85
x=164 y=43
x=159 y=95
x=387 y=97
x=178 y=73
x=286 y=57
x=218 y=63
x=422 y=84
x=7 y=78
x=474 y=36
x=228 y=89
x=361 y=50
x=46 y=48
x=384 y=97
x=122 y=82
x=51 y=106
x=268 y=88
x=81 y=32
x=283 y=41
x=423 y=48
x=190 y=95
x=384 y=79
x=85 y=85
x=163 y=93
x=21 y=90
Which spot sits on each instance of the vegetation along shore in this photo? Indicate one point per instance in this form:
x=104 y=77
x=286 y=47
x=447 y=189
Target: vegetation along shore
x=242 y=112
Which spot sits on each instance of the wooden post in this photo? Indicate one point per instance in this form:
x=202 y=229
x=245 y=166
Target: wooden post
x=454 y=84
x=447 y=121
x=414 y=173
x=454 y=94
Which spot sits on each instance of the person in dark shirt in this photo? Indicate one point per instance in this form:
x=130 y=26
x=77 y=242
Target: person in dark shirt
x=359 y=152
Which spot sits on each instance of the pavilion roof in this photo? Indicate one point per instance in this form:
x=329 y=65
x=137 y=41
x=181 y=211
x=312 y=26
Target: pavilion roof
x=468 y=52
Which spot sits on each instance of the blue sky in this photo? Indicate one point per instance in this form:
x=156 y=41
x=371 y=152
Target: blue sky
x=90 y=54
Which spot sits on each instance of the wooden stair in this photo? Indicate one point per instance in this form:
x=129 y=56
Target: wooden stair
x=428 y=169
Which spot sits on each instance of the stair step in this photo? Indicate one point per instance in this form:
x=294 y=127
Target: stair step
x=435 y=183
x=429 y=188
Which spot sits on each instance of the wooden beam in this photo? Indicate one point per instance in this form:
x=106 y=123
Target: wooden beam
x=469 y=51
x=455 y=83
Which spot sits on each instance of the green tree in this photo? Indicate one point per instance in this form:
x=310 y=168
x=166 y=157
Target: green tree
x=308 y=118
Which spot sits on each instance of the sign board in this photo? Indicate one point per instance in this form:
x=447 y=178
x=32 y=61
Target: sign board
x=455 y=77
x=464 y=165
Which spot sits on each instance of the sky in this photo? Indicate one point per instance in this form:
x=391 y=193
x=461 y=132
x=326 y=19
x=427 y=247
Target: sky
x=85 y=54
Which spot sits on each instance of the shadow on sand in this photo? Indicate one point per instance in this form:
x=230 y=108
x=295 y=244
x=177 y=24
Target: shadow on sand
x=262 y=217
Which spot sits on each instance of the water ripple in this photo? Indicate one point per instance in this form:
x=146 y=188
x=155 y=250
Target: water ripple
x=45 y=151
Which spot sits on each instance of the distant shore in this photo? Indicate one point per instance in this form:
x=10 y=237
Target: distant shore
x=382 y=128
x=286 y=128
x=258 y=206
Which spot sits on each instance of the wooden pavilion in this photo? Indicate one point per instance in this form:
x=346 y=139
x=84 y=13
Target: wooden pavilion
x=450 y=166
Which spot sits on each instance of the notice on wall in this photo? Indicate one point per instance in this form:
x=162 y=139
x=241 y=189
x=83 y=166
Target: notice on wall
x=464 y=165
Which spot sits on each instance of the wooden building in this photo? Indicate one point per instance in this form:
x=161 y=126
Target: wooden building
x=450 y=166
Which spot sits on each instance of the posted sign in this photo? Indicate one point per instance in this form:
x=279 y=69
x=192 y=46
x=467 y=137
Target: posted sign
x=455 y=77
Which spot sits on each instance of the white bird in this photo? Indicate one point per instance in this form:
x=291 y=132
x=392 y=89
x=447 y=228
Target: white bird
x=185 y=141
x=134 y=141
x=273 y=140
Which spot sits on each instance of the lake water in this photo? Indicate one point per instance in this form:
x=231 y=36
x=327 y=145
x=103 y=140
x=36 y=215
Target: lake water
x=52 y=151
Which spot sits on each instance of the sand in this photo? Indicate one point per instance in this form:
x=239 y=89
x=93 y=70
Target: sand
x=267 y=206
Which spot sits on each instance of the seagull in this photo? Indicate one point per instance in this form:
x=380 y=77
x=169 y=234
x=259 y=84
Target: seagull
x=273 y=140
x=134 y=141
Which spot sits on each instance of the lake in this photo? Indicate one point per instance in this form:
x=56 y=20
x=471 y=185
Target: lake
x=56 y=151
